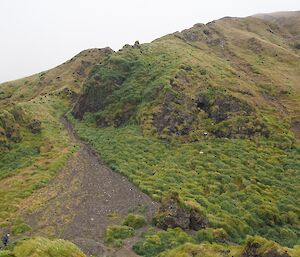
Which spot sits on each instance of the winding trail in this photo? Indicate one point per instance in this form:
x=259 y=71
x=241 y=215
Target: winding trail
x=77 y=203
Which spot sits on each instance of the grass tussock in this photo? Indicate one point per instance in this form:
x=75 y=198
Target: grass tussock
x=245 y=187
x=42 y=247
x=135 y=221
x=114 y=235
x=30 y=164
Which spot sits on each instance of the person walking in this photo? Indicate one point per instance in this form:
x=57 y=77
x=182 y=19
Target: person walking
x=5 y=239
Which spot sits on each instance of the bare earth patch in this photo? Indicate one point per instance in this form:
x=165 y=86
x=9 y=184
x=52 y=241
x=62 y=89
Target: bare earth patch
x=84 y=198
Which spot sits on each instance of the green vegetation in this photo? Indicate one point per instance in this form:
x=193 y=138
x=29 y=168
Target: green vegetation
x=177 y=243
x=203 y=250
x=20 y=227
x=211 y=235
x=243 y=186
x=211 y=113
x=42 y=247
x=30 y=164
x=204 y=113
x=115 y=234
x=135 y=221
x=155 y=243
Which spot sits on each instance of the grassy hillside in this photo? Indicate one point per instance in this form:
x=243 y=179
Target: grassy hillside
x=33 y=142
x=42 y=247
x=211 y=112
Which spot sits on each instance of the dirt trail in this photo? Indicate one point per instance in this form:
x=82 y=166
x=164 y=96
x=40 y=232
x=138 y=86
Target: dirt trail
x=80 y=200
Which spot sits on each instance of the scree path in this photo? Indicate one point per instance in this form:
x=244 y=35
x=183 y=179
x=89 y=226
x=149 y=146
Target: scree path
x=83 y=199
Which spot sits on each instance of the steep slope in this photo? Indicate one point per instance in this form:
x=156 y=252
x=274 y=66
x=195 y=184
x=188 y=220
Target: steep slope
x=33 y=144
x=68 y=76
x=49 y=181
x=85 y=192
x=232 y=55
x=288 y=21
x=211 y=112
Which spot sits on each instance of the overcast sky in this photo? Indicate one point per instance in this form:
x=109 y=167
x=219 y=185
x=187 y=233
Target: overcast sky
x=36 y=35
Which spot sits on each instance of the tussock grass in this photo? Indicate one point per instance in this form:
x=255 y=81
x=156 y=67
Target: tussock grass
x=115 y=234
x=30 y=164
x=134 y=220
x=42 y=247
x=244 y=187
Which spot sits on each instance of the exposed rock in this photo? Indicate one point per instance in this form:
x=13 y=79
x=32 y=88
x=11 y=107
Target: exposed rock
x=9 y=126
x=175 y=213
x=241 y=127
x=137 y=44
x=174 y=117
x=203 y=103
x=233 y=118
x=220 y=108
x=3 y=139
x=255 y=45
x=224 y=105
x=123 y=117
x=35 y=126
x=253 y=249
x=118 y=119
x=197 y=221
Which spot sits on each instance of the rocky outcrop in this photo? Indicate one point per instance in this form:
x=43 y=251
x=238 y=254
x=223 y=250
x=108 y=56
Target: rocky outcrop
x=35 y=126
x=255 y=248
x=232 y=117
x=91 y=99
x=175 y=213
x=10 y=129
x=221 y=107
x=176 y=116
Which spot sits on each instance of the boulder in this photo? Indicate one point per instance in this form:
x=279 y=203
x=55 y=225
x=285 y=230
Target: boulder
x=256 y=248
x=35 y=126
x=175 y=213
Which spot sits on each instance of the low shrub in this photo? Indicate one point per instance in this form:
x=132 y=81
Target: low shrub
x=20 y=227
x=42 y=247
x=211 y=235
x=6 y=253
x=114 y=234
x=154 y=243
x=135 y=221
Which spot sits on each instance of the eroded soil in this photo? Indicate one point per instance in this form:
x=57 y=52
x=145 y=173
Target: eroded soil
x=84 y=198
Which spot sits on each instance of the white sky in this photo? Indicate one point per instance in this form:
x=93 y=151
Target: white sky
x=36 y=35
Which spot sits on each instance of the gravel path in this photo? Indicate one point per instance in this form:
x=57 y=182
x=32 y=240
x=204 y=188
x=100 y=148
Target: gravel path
x=81 y=198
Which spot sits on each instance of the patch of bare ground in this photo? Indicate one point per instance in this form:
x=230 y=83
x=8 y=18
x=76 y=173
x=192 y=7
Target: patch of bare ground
x=78 y=204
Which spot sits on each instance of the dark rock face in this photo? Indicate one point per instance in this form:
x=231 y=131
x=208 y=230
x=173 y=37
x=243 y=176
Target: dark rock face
x=202 y=103
x=9 y=127
x=297 y=46
x=243 y=127
x=3 y=139
x=252 y=250
x=35 y=126
x=92 y=98
x=222 y=106
x=197 y=221
x=274 y=253
x=91 y=101
x=118 y=119
x=175 y=116
x=233 y=118
x=173 y=213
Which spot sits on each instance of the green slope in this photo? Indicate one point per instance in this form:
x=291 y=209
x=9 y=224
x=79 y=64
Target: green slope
x=210 y=112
